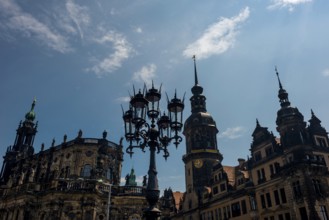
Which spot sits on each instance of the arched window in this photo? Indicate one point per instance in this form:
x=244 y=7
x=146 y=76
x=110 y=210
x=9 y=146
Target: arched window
x=86 y=170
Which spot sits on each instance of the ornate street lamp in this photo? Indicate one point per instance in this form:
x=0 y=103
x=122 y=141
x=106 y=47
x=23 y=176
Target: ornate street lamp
x=155 y=132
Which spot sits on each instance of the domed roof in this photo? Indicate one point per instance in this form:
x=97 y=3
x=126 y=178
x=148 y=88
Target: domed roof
x=30 y=116
x=199 y=118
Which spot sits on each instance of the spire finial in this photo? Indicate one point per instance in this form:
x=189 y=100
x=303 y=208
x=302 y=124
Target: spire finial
x=195 y=72
x=277 y=74
x=257 y=122
x=33 y=103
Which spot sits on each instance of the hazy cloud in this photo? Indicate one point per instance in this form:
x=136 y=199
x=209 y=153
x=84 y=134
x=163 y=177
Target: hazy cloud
x=218 y=37
x=78 y=14
x=18 y=20
x=146 y=74
x=325 y=72
x=123 y=99
x=122 y=51
x=233 y=133
x=290 y=4
x=138 y=30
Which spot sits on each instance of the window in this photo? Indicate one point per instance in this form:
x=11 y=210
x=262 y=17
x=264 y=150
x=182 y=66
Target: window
x=243 y=206
x=283 y=195
x=236 y=211
x=109 y=174
x=262 y=199
x=317 y=186
x=252 y=203
x=281 y=217
x=276 y=167
x=258 y=156
x=215 y=190
x=296 y=189
x=261 y=176
x=228 y=211
x=323 y=212
x=303 y=213
x=86 y=170
x=287 y=216
x=222 y=187
x=220 y=213
x=67 y=171
x=268 y=151
x=268 y=198
x=321 y=141
x=271 y=169
x=276 y=197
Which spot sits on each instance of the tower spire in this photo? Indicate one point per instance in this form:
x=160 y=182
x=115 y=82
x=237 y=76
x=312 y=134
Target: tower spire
x=277 y=74
x=196 y=89
x=195 y=72
x=283 y=94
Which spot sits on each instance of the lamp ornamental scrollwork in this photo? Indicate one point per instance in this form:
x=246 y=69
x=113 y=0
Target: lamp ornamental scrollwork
x=145 y=127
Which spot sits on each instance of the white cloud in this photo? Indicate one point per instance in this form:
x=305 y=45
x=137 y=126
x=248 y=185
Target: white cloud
x=233 y=133
x=146 y=74
x=122 y=51
x=123 y=99
x=325 y=72
x=290 y=4
x=78 y=14
x=29 y=26
x=218 y=37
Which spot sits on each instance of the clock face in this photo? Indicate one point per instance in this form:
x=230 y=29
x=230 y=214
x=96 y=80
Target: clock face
x=198 y=163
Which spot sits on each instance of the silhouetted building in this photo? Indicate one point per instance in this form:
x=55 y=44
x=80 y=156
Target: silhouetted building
x=285 y=178
x=69 y=180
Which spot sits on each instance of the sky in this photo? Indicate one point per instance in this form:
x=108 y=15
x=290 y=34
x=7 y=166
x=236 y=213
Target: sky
x=81 y=59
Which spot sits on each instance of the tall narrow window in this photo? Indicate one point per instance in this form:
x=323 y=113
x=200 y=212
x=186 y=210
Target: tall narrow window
x=276 y=197
x=268 y=198
x=323 y=212
x=283 y=195
x=236 y=211
x=317 y=186
x=303 y=213
x=271 y=169
x=296 y=189
x=109 y=174
x=262 y=199
x=86 y=170
x=243 y=207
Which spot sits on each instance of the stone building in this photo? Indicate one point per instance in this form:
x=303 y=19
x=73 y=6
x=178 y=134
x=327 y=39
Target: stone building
x=285 y=178
x=69 y=180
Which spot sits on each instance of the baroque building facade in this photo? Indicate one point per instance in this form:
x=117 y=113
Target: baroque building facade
x=70 y=180
x=285 y=178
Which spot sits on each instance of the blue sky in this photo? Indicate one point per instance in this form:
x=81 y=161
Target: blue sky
x=80 y=59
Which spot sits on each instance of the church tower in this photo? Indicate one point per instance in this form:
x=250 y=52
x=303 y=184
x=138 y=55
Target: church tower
x=201 y=143
x=23 y=146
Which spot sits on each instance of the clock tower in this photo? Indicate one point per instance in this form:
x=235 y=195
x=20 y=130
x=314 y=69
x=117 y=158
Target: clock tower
x=201 y=143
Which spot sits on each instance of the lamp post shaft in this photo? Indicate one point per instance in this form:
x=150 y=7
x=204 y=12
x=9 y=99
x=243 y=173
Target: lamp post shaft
x=152 y=190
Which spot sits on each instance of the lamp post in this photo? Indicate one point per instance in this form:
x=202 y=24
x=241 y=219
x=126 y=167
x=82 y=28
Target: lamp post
x=154 y=133
x=109 y=202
